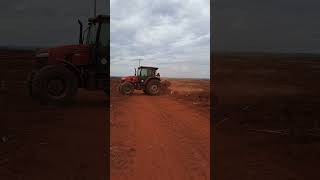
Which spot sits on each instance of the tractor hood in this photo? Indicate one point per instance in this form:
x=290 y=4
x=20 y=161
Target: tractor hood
x=62 y=51
x=129 y=78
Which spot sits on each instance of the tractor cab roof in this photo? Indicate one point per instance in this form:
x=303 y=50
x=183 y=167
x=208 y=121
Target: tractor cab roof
x=148 y=67
x=99 y=18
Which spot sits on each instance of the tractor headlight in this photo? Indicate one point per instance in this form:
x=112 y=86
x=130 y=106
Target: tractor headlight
x=44 y=54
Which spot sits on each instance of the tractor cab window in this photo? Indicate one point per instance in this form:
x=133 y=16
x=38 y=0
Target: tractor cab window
x=91 y=34
x=143 y=72
x=104 y=35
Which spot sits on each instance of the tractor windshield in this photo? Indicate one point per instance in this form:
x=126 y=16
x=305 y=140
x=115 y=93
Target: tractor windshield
x=90 y=34
x=143 y=72
x=104 y=35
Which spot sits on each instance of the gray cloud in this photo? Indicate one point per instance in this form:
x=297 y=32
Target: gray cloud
x=44 y=22
x=173 y=35
x=270 y=26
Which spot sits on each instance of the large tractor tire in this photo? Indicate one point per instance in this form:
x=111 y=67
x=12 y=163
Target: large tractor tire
x=55 y=84
x=126 y=88
x=153 y=87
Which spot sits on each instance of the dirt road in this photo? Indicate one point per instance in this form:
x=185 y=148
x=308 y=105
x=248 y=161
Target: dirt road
x=156 y=137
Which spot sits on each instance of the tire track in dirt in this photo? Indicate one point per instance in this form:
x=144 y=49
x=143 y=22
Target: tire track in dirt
x=169 y=140
x=121 y=148
x=190 y=136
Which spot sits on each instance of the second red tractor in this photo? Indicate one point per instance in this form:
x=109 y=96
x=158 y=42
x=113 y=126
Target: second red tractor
x=146 y=79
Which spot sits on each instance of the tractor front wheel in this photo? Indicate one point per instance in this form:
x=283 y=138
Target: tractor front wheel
x=153 y=87
x=126 y=88
x=54 y=84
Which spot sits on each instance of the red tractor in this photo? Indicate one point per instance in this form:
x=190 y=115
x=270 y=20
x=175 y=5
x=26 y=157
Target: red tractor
x=144 y=79
x=59 y=72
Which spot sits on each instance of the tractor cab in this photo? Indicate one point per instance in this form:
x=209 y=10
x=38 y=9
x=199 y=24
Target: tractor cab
x=97 y=38
x=145 y=72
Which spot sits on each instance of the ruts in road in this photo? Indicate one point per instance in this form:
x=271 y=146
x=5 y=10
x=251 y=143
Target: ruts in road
x=157 y=137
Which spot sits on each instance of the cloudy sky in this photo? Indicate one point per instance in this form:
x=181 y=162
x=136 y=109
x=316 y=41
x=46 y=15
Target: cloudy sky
x=266 y=25
x=44 y=22
x=173 y=35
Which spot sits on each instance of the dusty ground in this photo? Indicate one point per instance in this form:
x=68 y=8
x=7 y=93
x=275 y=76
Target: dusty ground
x=45 y=142
x=258 y=101
x=161 y=137
x=169 y=137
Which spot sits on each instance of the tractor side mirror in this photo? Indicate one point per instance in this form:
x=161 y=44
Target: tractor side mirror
x=135 y=72
x=81 y=29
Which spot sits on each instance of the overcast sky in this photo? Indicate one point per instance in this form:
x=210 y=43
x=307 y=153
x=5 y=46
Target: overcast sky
x=173 y=35
x=44 y=22
x=266 y=25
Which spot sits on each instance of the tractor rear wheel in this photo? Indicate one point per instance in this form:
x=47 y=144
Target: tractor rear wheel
x=153 y=87
x=54 y=84
x=126 y=88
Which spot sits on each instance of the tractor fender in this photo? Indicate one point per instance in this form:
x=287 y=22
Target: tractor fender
x=150 y=78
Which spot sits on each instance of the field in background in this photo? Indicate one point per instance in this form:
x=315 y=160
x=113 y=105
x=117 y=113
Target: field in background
x=191 y=91
x=266 y=117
